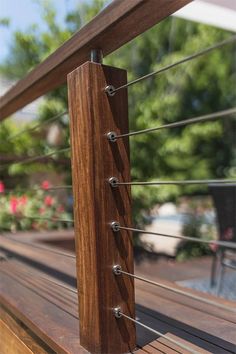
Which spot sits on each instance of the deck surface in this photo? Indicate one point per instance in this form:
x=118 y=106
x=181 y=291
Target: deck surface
x=50 y=311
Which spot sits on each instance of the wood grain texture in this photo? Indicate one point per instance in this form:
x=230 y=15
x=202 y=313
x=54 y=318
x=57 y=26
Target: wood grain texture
x=174 y=317
x=16 y=338
x=39 y=257
x=10 y=343
x=96 y=205
x=117 y=24
x=51 y=323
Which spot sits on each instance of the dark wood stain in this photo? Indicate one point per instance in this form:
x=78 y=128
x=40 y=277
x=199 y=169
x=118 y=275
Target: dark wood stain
x=116 y=25
x=96 y=205
x=16 y=338
x=38 y=304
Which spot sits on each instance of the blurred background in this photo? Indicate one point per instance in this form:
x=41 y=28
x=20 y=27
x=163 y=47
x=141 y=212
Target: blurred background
x=29 y=32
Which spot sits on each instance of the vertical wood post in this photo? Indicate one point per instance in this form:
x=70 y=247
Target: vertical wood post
x=94 y=159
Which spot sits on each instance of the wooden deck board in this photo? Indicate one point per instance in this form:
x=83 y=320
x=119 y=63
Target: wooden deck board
x=16 y=336
x=43 y=259
x=32 y=300
x=51 y=323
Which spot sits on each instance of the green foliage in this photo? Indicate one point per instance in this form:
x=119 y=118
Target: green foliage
x=4 y=21
x=207 y=84
x=195 y=226
x=204 y=85
x=198 y=223
x=29 y=48
x=32 y=143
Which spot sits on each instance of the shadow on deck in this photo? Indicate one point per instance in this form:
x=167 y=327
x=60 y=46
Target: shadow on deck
x=50 y=312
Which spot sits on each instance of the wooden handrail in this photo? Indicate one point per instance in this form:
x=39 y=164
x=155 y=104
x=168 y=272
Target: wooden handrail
x=116 y=25
x=93 y=114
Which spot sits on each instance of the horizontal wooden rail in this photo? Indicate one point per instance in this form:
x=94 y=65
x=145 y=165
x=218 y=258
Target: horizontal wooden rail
x=116 y=25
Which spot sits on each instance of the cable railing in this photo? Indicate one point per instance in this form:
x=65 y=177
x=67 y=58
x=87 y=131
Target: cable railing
x=116 y=227
x=111 y=90
x=38 y=188
x=117 y=270
x=114 y=182
x=26 y=283
x=39 y=246
x=100 y=160
x=35 y=158
x=37 y=126
x=112 y=136
x=48 y=280
x=44 y=218
x=119 y=314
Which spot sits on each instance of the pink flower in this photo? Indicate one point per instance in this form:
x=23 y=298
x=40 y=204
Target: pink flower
x=23 y=200
x=41 y=210
x=48 y=200
x=13 y=205
x=2 y=187
x=60 y=209
x=45 y=185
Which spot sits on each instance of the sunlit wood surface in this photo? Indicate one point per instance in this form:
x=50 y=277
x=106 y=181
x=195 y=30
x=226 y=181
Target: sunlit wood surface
x=49 y=313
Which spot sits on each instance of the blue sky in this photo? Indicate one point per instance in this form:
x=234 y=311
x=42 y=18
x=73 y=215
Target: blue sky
x=23 y=13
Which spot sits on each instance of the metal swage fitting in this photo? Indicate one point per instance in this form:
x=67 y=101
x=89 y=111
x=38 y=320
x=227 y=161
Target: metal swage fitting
x=117 y=269
x=113 y=182
x=115 y=226
x=117 y=312
x=184 y=182
x=112 y=136
x=110 y=90
x=181 y=61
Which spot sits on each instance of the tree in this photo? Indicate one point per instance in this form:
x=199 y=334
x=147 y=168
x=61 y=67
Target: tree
x=205 y=85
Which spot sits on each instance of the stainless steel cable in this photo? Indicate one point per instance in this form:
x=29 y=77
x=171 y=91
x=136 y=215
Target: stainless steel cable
x=58 y=284
x=35 y=158
x=52 y=188
x=160 y=334
x=112 y=136
x=45 y=248
x=112 y=90
x=114 y=182
x=57 y=188
x=117 y=270
x=44 y=277
x=41 y=124
x=225 y=244
x=34 y=217
x=36 y=292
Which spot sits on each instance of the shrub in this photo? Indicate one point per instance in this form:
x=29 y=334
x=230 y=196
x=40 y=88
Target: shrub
x=36 y=209
x=198 y=223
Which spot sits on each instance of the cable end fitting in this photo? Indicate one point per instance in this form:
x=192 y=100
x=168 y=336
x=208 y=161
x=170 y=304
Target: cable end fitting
x=117 y=269
x=117 y=312
x=110 y=90
x=113 y=182
x=111 y=136
x=115 y=226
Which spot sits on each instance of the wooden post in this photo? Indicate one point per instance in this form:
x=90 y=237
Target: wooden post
x=94 y=159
